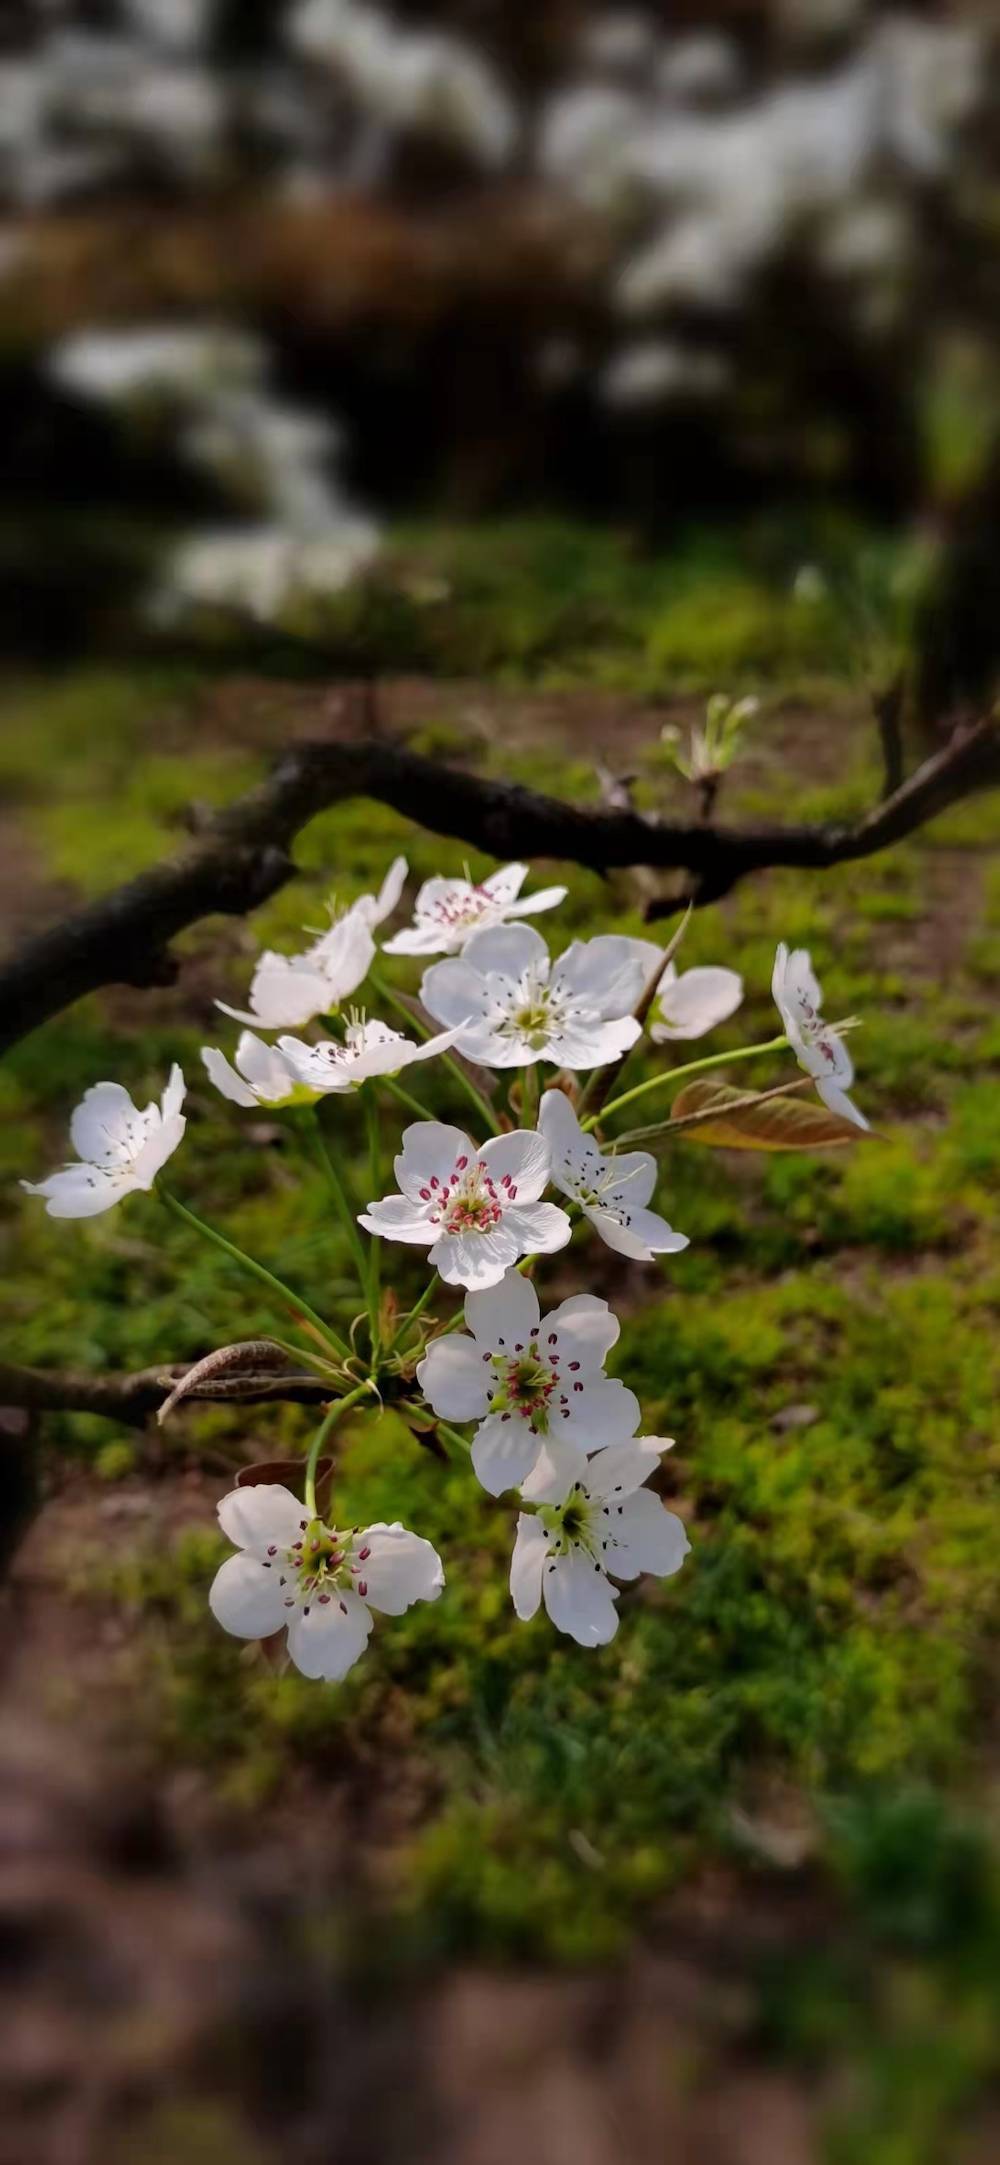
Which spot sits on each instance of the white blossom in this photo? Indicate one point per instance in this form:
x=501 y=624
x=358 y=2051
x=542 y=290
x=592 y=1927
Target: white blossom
x=447 y=912
x=183 y=364
x=477 y=1210
x=694 y=1002
x=288 y=990
x=584 y=134
x=261 y=1074
x=529 y=1380
x=612 y=1192
x=586 y=1526
x=649 y=371
x=291 y=1569
x=516 y=1005
x=425 y=80
x=261 y=569
x=368 y=1048
x=818 y=1046
x=119 y=1149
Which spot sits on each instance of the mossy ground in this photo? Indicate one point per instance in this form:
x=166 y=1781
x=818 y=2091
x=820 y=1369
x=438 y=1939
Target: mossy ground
x=825 y=1354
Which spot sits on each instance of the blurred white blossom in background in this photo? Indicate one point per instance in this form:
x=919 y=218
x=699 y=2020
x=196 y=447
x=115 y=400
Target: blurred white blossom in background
x=694 y=168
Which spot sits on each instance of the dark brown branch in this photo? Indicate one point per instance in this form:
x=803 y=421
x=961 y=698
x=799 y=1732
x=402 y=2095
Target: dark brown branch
x=243 y=854
x=133 y=1399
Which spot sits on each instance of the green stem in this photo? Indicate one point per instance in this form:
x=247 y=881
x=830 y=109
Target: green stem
x=403 y=1097
x=333 y=1415
x=374 y=1250
x=417 y=1310
x=529 y=1096
x=308 y=1356
x=679 y=1074
x=312 y=1128
x=284 y=1293
x=483 y=1106
x=451 y=1435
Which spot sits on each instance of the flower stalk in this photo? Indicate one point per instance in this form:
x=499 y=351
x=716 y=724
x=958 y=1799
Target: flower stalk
x=330 y=1419
x=316 y=1141
x=681 y=1074
x=282 y=1292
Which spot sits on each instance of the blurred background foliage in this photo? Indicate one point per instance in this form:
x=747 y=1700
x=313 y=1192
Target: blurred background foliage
x=277 y=278
x=561 y=367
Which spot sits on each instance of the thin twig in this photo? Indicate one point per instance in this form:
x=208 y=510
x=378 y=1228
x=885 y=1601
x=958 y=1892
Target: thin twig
x=243 y=855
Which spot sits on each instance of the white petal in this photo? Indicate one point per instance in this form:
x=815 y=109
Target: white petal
x=651 y=1538
x=538 y=1229
x=795 y=988
x=607 y=974
x=344 y=956
x=174 y=1094
x=829 y=1060
x=454 y=994
x=558 y=1466
x=401 y=1568
x=572 y=1151
x=594 y=1044
x=487 y=1046
x=265 y=1069
x=417 y=940
x=579 y=1599
x=603 y=1412
x=476 y=1259
x=546 y=898
x=505 y=1315
x=647 y=1235
x=523 y=1157
x=261 y=1515
x=390 y=890
x=530 y=1546
x=801 y=978
x=406 y=1051
x=694 y=1003
x=325 y=1067
x=107 y=1127
x=160 y=1145
x=328 y=1641
x=441 y=893
x=223 y=1075
x=504 y=886
x=454 y=1377
x=282 y=997
x=623 y=1467
x=81 y=1191
x=838 y=1102
x=586 y=1329
x=634 y=1177
x=431 y=1149
x=246 y=1599
x=503 y=1453
x=508 y=950
x=396 y=1218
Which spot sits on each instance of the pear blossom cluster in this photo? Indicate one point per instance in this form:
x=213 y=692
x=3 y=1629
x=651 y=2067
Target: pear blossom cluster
x=516 y=1379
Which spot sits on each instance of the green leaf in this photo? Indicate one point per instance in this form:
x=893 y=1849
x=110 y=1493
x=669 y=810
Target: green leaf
x=730 y=1120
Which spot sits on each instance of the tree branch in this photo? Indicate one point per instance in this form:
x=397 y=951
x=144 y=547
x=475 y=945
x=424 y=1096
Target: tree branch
x=132 y=1399
x=243 y=854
